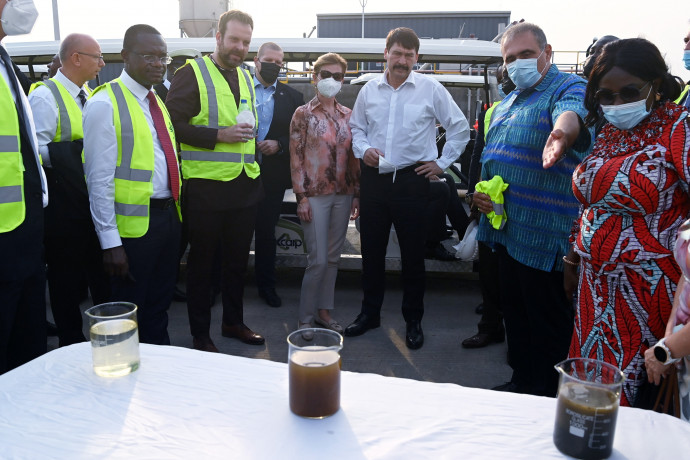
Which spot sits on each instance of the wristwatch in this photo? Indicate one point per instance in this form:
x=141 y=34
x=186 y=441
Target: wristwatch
x=468 y=197
x=663 y=354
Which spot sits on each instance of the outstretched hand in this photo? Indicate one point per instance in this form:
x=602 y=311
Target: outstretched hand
x=555 y=148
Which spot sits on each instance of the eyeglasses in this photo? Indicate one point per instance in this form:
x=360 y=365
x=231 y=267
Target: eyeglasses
x=627 y=94
x=338 y=76
x=95 y=56
x=153 y=59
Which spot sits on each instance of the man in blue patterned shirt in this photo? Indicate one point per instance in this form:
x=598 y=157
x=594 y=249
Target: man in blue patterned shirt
x=536 y=139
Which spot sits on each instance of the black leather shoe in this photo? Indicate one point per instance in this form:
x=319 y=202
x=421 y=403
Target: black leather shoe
x=509 y=387
x=362 y=324
x=439 y=252
x=482 y=339
x=243 y=333
x=271 y=297
x=414 y=339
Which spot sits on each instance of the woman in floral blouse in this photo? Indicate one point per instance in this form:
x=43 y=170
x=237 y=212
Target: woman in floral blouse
x=325 y=179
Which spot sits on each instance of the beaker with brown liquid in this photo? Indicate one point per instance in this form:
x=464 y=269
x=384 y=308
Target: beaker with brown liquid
x=588 y=397
x=314 y=372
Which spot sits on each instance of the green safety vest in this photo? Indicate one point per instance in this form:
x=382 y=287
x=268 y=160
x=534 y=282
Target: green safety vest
x=683 y=94
x=134 y=168
x=12 y=209
x=487 y=118
x=218 y=110
x=69 y=125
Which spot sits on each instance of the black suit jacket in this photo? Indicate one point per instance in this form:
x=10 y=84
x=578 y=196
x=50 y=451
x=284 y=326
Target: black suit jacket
x=275 y=169
x=161 y=90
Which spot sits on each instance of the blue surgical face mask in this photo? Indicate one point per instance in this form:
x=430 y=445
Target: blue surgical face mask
x=627 y=116
x=525 y=72
x=501 y=93
x=686 y=59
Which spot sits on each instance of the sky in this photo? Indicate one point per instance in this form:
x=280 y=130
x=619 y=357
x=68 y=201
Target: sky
x=569 y=25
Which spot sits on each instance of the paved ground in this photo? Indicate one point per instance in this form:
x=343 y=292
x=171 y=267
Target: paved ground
x=450 y=302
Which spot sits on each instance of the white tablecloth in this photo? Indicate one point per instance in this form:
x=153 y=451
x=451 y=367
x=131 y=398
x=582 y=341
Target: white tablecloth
x=187 y=404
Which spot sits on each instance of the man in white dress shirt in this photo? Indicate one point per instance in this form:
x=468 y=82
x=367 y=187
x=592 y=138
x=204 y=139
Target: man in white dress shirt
x=393 y=131
x=73 y=254
x=23 y=194
x=133 y=180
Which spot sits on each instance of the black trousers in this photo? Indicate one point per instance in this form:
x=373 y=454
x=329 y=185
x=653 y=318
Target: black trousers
x=489 y=281
x=402 y=204
x=153 y=260
x=539 y=323
x=75 y=262
x=233 y=230
x=268 y=213
x=23 y=284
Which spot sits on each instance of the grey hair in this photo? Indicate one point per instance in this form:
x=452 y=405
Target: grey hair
x=520 y=28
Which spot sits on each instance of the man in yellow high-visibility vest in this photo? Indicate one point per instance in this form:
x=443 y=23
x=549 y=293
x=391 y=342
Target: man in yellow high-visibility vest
x=132 y=174
x=73 y=254
x=222 y=184
x=23 y=194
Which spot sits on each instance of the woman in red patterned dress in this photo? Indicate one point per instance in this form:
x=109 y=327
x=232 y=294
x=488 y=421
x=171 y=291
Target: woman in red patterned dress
x=634 y=194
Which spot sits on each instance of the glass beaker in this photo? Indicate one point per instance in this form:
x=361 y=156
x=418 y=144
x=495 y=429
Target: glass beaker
x=589 y=392
x=114 y=338
x=314 y=372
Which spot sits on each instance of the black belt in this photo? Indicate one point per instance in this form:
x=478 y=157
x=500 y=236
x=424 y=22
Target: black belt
x=162 y=203
x=404 y=170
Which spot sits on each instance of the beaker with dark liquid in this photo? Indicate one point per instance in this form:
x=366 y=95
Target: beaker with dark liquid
x=588 y=396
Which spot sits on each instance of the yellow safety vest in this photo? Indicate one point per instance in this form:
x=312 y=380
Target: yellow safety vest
x=12 y=208
x=69 y=125
x=218 y=110
x=134 y=169
x=683 y=94
x=495 y=188
x=487 y=118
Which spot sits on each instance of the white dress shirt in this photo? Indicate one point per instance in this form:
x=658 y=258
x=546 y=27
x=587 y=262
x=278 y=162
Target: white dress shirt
x=45 y=111
x=30 y=128
x=100 y=159
x=402 y=122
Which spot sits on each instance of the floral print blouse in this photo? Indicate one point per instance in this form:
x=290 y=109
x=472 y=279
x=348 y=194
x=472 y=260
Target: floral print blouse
x=321 y=158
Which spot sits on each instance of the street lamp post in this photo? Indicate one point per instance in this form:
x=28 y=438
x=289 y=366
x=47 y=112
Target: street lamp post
x=363 y=3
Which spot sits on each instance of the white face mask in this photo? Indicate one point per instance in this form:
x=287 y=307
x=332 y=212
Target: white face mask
x=328 y=87
x=18 y=17
x=626 y=116
x=524 y=72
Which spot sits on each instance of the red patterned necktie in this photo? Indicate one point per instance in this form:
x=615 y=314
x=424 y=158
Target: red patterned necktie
x=166 y=143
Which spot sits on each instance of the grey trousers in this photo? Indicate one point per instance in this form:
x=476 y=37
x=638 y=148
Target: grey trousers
x=324 y=236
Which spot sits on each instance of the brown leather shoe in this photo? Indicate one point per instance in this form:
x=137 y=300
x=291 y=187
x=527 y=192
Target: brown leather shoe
x=243 y=333
x=204 y=344
x=481 y=339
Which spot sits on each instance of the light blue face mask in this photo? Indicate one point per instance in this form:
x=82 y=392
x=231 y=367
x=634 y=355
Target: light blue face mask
x=501 y=93
x=627 y=116
x=524 y=72
x=686 y=59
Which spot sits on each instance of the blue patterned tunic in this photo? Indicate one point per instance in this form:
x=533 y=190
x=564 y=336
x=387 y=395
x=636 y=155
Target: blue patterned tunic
x=539 y=202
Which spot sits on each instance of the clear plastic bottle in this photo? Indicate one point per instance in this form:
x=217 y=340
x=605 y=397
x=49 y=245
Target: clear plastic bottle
x=246 y=114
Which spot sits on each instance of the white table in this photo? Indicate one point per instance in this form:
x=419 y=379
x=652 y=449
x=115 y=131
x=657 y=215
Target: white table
x=187 y=404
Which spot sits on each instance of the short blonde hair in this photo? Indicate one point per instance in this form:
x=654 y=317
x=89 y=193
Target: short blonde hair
x=328 y=59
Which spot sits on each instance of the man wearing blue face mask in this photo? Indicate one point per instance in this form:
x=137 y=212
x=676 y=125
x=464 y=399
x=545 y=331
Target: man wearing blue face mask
x=535 y=140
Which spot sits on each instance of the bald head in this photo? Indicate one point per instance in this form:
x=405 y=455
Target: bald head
x=80 y=55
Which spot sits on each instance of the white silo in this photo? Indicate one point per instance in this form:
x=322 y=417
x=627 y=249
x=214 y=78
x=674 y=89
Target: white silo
x=199 y=18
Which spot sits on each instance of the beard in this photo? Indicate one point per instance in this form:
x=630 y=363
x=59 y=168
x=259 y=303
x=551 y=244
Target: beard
x=229 y=57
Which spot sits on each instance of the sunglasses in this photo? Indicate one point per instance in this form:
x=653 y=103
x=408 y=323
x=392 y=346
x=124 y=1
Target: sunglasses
x=338 y=76
x=627 y=94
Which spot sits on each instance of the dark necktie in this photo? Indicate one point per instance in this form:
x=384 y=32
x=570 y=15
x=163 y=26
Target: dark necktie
x=166 y=143
x=82 y=97
x=15 y=86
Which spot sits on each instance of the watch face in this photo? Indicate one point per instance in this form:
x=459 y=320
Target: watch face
x=660 y=354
